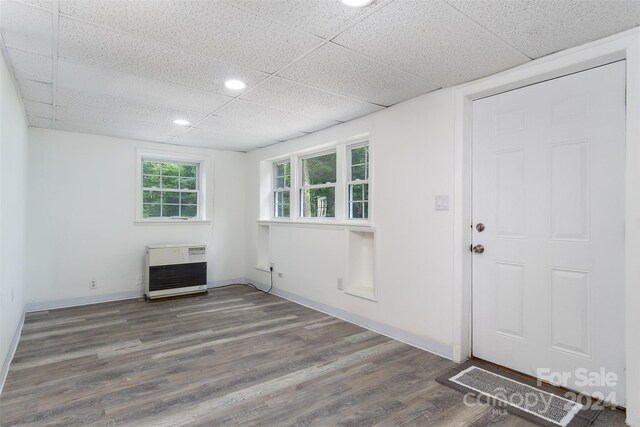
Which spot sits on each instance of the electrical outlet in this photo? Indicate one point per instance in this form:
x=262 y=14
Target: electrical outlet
x=93 y=284
x=280 y=275
x=340 y=285
x=139 y=279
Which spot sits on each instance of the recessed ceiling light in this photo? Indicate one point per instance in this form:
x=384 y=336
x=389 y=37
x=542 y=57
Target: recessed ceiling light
x=357 y=3
x=182 y=122
x=234 y=84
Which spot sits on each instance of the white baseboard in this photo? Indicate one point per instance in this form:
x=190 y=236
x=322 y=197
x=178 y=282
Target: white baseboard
x=12 y=351
x=117 y=296
x=220 y=283
x=75 y=302
x=422 y=343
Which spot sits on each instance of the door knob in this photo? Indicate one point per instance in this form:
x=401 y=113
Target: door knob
x=478 y=249
x=480 y=227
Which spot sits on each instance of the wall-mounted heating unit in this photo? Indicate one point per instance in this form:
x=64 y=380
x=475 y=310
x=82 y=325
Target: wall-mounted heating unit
x=175 y=270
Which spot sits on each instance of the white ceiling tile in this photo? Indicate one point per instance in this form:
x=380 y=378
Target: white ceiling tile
x=538 y=28
x=39 y=122
x=287 y=95
x=83 y=106
x=83 y=77
x=268 y=116
x=435 y=42
x=321 y=17
x=30 y=66
x=129 y=130
x=343 y=71
x=222 y=141
x=32 y=90
x=262 y=131
x=26 y=27
x=38 y=109
x=214 y=28
x=89 y=44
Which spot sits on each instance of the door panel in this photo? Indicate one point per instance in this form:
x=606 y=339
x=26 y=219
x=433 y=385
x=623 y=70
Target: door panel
x=548 y=184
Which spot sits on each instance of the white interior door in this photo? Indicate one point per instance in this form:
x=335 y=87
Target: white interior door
x=548 y=185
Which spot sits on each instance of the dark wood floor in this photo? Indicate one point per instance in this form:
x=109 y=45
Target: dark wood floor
x=233 y=357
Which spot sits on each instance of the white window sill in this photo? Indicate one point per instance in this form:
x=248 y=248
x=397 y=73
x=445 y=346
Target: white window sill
x=361 y=292
x=315 y=223
x=263 y=268
x=172 y=221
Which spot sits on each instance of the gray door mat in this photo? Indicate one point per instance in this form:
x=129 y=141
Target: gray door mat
x=499 y=387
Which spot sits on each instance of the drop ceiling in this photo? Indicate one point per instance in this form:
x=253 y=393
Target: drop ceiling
x=129 y=68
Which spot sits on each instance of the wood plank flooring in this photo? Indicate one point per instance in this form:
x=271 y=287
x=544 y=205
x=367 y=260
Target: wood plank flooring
x=233 y=357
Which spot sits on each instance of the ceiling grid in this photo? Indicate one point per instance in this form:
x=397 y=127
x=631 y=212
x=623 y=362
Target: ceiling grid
x=128 y=68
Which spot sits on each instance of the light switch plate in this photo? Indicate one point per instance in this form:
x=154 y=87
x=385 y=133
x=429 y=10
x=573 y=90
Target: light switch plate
x=442 y=202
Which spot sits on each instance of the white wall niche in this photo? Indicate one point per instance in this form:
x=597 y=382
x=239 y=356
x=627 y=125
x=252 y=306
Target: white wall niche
x=360 y=266
x=263 y=258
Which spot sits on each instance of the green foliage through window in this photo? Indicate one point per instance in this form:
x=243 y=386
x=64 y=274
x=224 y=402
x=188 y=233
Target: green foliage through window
x=359 y=183
x=169 y=189
x=318 y=195
x=281 y=194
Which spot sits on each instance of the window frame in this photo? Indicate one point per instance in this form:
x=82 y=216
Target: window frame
x=342 y=150
x=202 y=164
x=275 y=189
x=300 y=187
x=349 y=181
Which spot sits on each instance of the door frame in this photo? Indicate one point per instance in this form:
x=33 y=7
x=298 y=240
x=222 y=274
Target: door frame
x=625 y=46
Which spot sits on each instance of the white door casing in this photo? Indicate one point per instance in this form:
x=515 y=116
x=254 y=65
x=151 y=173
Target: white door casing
x=548 y=184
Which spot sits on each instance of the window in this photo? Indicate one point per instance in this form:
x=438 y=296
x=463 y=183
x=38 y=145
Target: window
x=327 y=186
x=318 y=186
x=358 y=182
x=170 y=189
x=281 y=192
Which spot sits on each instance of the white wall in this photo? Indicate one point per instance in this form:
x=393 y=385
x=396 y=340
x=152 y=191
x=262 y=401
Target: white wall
x=82 y=216
x=413 y=158
x=13 y=199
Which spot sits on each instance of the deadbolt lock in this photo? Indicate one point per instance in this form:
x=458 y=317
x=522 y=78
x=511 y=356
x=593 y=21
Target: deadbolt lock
x=480 y=227
x=477 y=249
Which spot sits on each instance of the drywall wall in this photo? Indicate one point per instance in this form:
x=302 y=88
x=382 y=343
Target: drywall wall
x=82 y=217
x=412 y=162
x=13 y=200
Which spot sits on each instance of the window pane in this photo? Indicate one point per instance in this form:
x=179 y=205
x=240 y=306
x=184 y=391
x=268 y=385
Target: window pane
x=188 y=170
x=281 y=204
x=151 y=196
x=360 y=155
x=188 y=183
x=318 y=202
x=189 y=198
x=319 y=170
x=170 y=210
x=170 y=169
x=358 y=201
x=151 y=168
x=282 y=175
x=169 y=182
x=171 y=197
x=358 y=172
x=189 y=210
x=151 y=181
x=357 y=210
x=150 y=211
x=356 y=192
